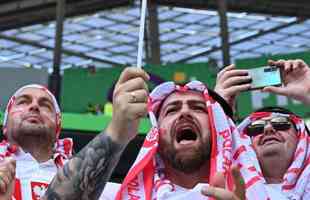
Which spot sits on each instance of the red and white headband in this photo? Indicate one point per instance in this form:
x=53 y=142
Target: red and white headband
x=13 y=99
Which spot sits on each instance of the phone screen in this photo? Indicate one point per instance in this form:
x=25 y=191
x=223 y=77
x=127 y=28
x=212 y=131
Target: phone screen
x=265 y=76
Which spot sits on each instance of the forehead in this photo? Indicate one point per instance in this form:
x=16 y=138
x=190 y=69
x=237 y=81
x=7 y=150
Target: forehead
x=183 y=97
x=34 y=93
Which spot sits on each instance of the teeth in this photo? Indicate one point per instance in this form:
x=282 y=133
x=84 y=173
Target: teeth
x=184 y=142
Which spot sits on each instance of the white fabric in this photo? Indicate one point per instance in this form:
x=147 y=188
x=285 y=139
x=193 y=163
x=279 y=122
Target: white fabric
x=29 y=171
x=181 y=193
x=110 y=191
x=275 y=191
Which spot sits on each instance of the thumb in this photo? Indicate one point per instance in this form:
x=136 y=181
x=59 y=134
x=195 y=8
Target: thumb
x=276 y=90
x=218 y=180
x=271 y=62
x=239 y=183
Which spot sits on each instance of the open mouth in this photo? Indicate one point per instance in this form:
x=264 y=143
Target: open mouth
x=186 y=135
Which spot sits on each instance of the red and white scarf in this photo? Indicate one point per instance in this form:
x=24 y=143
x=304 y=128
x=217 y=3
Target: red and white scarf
x=146 y=180
x=296 y=181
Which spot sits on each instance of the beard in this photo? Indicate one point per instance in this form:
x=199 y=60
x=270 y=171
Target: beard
x=187 y=161
x=40 y=132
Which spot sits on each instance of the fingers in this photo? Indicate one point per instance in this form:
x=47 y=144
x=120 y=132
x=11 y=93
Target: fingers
x=218 y=180
x=235 y=81
x=239 y=190
x=129 y=105
x=131 y=80
x=131 y=73
x=276 y=90
x=237 y=89
x=217 y=187
x=288 y=65
x=137 y=111
x=228 y=68
x=7 y=173
x=218 y=193
x=138 y=96
x=133 y=84
x=231 y=72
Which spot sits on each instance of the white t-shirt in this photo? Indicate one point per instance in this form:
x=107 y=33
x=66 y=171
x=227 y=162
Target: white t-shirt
x=180 y=193
x=275 y=192
x=32 y=177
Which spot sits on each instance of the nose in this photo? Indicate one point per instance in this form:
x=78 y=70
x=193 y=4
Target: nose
x=268 y=128
x=34 y=106
x=185 y=113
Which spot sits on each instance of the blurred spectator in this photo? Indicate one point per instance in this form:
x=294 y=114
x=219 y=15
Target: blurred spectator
x=280 y=138
x=31 y=126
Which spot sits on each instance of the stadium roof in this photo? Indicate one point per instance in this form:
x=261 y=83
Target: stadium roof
x=109 y=38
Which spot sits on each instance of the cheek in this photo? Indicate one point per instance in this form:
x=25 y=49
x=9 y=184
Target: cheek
x=162 y=131
x=255 y=141
x=292 y=139
x=17 y=111
x=50 y=118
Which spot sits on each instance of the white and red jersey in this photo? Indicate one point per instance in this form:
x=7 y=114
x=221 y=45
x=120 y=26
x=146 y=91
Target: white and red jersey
x=32 y=177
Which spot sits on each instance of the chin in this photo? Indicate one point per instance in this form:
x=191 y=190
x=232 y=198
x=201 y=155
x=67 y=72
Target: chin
x=189 y=161
x=271 y=151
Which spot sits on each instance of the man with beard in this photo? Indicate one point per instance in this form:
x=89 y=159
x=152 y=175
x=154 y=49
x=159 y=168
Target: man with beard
x=31 y=127
x=279 y=137
x=192 y=143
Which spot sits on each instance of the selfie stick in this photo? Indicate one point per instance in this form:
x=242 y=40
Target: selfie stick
x=141 y=33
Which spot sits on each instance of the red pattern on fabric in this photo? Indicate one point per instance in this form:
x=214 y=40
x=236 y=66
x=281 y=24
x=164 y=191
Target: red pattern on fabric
x=259 y=115
x=17 y=190
x=252 y=181
x=239 y=151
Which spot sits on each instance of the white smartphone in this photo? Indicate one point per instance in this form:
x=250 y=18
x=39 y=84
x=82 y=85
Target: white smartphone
x=265 y=76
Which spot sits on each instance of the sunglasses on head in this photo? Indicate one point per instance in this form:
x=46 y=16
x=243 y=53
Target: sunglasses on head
x=278 y=123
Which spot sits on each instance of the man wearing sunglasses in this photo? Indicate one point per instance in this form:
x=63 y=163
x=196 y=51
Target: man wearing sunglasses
x=279 y=137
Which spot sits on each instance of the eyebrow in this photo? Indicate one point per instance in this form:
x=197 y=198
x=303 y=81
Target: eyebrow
x=24 y=96
x=174 y=103
x=196 y=102
x=190 y=102
x=42 y=99
x=45 y=99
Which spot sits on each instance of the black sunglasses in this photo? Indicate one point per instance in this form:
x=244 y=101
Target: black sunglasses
x=278 y=123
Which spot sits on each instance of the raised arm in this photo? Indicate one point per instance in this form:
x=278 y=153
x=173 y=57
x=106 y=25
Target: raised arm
x=86 y=174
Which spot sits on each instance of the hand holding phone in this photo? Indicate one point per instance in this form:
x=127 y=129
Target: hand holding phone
x=265 y=76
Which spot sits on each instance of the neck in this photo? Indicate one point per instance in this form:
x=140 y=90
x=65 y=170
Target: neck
x=187 y=180
x=38 y=149
x=273 y=169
